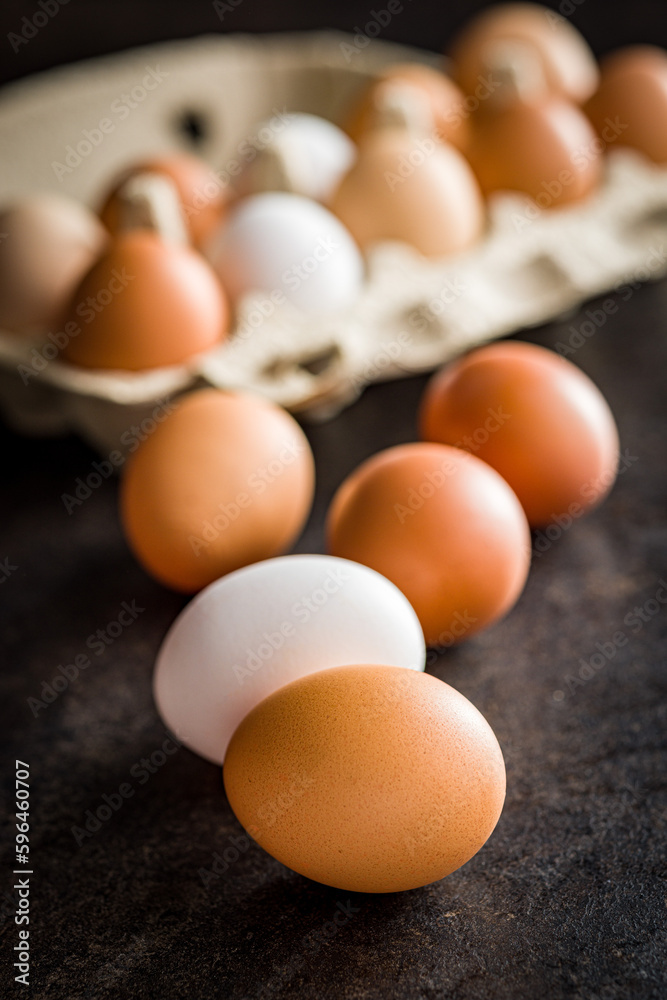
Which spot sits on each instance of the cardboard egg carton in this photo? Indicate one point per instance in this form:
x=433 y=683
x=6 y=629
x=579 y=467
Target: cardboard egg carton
x=413 y=314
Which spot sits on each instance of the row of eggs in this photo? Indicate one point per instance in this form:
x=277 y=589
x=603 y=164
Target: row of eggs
x=513 y=436
x=302 y=675
x=526 y=109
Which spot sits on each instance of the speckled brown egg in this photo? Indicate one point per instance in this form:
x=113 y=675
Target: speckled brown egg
x=367 y=778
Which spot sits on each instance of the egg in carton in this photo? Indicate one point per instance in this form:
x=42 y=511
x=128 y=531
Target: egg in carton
x=66 y=131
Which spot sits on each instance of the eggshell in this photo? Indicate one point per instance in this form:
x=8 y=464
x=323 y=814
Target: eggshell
x=304 y=154
x=547 y=150
x=547 y=46
x=48 y=243
x=533 y=416
x=444 y=101
x=411 y=189
x=202 y=194
x=287 y=244
x=146 y=304
x=444 y=527
x=261 y=627
x=225 y=481
x=630 y=106
x=367 y=778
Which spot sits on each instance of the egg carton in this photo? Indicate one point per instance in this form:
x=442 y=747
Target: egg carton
x=413 y=314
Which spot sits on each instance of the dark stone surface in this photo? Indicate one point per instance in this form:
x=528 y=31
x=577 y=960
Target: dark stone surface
x=566 y=900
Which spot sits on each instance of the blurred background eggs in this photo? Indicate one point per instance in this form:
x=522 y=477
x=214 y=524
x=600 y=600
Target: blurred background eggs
x=544 y=52
x=299 y=153
x=48 y=243
x=145 y=303
x=202 y=196
x=287 y=244
x=444 y=109
x=630 y=106
x=546 y=149
x=408 y=186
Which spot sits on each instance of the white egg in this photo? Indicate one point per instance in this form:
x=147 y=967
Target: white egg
x=289 y=246
x=257 y=629
x=300 y=153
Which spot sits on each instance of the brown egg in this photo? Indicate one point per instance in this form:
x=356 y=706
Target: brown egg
x=541 y=48
x=203 y=196
x=411 y=188
x=546 y=150
x=443 y=100
x=367 y=778
x=533 y=416
x=146 y=303
x=444 y=527
x=225 y=481
x=630 y=106
x=47 y=243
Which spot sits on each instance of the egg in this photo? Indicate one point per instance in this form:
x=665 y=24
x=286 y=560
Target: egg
x=546 y=150
x=536 y=418
x=259 y=628
x=410 y=188
x=444 y=527
x=543 y=49
x=291 y=246
x=630 y=106
x=145 y=304
x=226 y=480
x=47 y=244
x=367 y=778
x=443 y=99
x=150 y=300
x=299 y=153
x=202 y=195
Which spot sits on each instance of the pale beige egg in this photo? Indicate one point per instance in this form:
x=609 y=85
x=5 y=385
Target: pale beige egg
x=47 y=243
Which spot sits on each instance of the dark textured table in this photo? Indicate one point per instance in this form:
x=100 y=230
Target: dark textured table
x=568 y=897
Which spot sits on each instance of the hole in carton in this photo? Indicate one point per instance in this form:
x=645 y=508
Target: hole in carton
x=314 y=364
x=426 y=321
x=532 y=280
x=194 y=126
x=650 y=225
